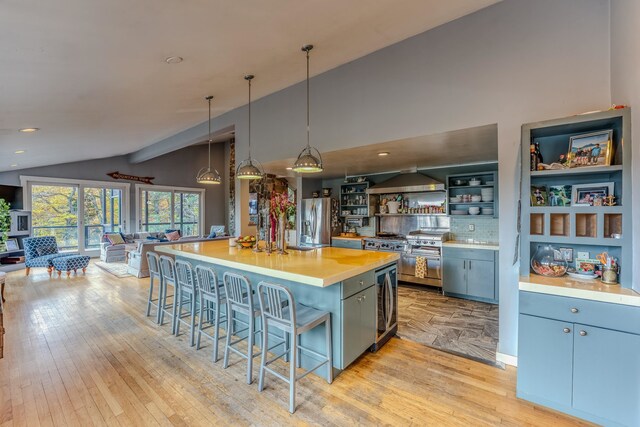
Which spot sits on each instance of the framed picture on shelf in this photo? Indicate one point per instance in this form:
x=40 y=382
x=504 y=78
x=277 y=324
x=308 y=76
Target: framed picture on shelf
x=591 y=149
x=539 y=196
x=560 y=195
x=563 y=254
x=11 y=244
x=591 y=194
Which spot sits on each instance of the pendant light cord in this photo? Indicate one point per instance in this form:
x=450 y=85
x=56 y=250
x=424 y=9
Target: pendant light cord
x=209 y=98
x=249 y=80
x=308 y=126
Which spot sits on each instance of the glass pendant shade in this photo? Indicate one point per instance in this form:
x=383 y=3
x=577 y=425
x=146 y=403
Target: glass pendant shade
x=307 y=162
x=208 y=175
x=249 y=168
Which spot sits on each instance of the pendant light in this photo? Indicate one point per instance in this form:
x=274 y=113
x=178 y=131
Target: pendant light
x=207 y=175
x=249 y=168
x=307 y=161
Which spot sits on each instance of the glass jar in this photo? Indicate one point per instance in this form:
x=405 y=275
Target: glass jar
x=548 y=261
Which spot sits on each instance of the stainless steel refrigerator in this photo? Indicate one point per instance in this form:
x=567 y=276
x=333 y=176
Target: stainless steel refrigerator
x=316 y=222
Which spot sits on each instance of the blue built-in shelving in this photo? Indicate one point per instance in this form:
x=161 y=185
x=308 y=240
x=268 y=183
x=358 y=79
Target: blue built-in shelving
x=581 y=228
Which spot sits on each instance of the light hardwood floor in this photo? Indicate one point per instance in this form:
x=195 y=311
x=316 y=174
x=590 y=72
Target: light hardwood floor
x=79 y=351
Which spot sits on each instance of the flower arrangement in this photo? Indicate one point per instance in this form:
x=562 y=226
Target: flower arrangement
x=281 y=205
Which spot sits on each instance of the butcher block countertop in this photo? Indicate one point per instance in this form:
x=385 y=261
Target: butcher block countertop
x=319 y=267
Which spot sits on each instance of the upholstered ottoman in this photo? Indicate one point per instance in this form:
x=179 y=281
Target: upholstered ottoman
x=70 y=262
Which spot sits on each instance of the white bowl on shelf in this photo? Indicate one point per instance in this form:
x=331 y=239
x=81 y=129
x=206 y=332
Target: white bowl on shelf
x=487 y=211
x=487 y=198
x=475 y=182
x=474 y=210
x=476 y=198
x=456 y=199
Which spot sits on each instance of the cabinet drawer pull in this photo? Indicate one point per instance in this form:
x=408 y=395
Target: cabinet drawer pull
x=566 y=330
x=469 y=264
x=583 y=333
x=359 y=299
x=574 y=310
x=364 y=297
x=361 y=282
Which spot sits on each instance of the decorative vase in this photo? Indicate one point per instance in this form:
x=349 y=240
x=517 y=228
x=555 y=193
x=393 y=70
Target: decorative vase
x=548 y=261
x=281 y=234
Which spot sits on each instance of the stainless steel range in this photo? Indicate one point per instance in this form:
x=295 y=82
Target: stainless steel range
x=427 y=244
x=386 y=242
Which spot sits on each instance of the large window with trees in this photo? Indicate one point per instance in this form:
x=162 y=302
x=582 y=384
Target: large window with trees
x=76 y=212
x=163 y=208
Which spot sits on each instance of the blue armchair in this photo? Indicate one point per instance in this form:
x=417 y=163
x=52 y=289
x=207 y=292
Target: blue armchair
x=39 y=251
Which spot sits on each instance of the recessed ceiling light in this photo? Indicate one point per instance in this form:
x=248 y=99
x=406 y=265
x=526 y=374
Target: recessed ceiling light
x=27 y=130
x=20 y=152
x=384 y=153
x=173 y=59
x=289 y=168
x=14 y=165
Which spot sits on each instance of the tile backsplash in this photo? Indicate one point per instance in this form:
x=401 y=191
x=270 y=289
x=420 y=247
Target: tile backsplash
x=486 y=229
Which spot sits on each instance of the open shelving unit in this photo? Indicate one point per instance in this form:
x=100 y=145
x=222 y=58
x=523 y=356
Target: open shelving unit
x=592 y=229
x=354 y=200
x=476 y=190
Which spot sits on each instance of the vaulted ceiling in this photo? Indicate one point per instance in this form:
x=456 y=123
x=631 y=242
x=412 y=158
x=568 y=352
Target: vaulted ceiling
x=92 y=74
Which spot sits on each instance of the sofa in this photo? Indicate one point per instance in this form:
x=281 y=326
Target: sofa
x=138 y=265
x=118 y=253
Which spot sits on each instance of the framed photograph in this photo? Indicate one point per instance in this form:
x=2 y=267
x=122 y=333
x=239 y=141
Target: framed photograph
x=591 y=149
x=560 y=195
x=253 y=204
x=539 y=196
x=591 y=194
x=563 y=254
x=12 y=245
x=587 y=265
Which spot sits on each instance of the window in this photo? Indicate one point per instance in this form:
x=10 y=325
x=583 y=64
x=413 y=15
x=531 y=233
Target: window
x=76 y=212
x=164 y=208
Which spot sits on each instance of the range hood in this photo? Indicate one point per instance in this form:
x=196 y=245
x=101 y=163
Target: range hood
x=407 y=183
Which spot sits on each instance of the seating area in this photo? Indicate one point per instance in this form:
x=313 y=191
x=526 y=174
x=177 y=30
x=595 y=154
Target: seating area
x=44 y=252
x=195 y=299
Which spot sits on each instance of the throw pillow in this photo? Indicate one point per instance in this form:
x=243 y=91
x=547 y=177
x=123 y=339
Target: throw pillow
x=173 y=236
x=171 y=231
x=212 y=235
x=115 y=238
x=46 y=250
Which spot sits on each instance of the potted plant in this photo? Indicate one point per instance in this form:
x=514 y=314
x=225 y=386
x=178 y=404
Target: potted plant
x=5 y=223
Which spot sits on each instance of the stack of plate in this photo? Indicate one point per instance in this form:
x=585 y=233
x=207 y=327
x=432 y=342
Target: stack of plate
x=459 y=212
x=487 y=211
x=487 y=194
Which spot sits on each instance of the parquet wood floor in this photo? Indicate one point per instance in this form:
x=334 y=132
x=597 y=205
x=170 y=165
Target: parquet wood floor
x=80 y=352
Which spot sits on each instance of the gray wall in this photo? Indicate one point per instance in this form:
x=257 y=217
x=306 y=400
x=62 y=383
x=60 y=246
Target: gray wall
x=175 y=169
x=625 y=89
x=516 y=62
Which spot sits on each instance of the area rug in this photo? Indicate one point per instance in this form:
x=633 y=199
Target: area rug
x=118 y=269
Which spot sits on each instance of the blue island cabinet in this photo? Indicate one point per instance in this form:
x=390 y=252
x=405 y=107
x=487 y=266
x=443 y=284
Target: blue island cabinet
x=581 y=357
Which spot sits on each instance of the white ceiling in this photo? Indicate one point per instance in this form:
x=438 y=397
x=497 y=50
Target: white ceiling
x=91 y=74
x=459 y=147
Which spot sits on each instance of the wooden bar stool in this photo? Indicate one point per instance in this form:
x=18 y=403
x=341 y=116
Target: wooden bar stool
x=212 y=300
x=279 y=310
x=168 y=271
x=187 y=293
x=153 y=259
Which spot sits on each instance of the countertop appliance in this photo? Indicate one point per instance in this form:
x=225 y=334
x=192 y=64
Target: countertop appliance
x=316 y=222
x=387 y=312
x=426 y=243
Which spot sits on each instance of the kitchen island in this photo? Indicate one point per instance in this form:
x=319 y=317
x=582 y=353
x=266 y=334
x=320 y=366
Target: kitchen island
x=343 y=282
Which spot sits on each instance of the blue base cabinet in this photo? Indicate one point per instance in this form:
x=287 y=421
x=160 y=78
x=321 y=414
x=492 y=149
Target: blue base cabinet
x=346 y=243
x=470 y=273
x=570 y=358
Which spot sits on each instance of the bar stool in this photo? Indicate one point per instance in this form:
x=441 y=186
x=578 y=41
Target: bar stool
x=211 y=300
x=168 y=270
x=241 y=300
x=153 y=259
x=186 y=293
x=279 y=310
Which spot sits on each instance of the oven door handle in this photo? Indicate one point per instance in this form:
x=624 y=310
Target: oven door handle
x=436 y=257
